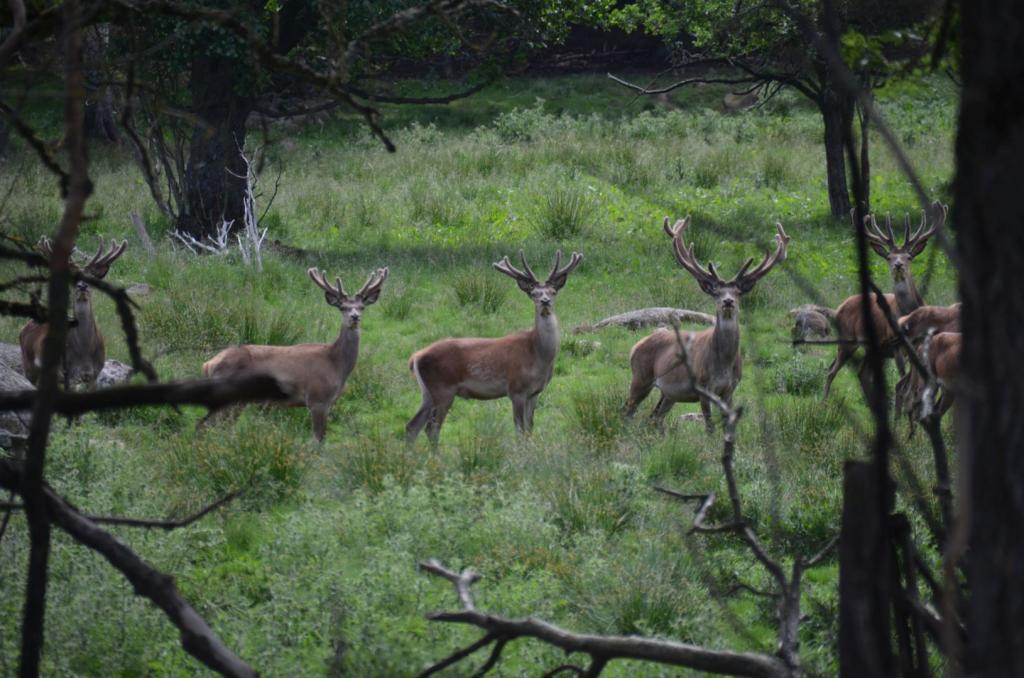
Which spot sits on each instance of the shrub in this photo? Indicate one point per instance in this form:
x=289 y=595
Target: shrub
x=254 y=456
x=565 y=213
x=522 y=124
x=473 y=288
x=597 y=414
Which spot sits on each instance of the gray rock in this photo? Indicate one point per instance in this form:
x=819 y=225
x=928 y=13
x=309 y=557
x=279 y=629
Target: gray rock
x=114 y=372
x=10 y=357
x=14 y=424
x=139 y=290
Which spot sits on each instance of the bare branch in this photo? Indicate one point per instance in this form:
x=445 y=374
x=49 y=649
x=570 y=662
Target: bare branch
x=197 y=638
x=211 y=393
x=602 y=648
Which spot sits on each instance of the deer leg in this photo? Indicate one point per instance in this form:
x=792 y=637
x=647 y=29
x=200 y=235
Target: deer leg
x=318 y=413
x=228 y=414
x=418 y=421
x=705 y=409
x=519 y=414
x=442 y=403
x=661 y=409
x=639 y=389
x=842 y=355
x=531 y=405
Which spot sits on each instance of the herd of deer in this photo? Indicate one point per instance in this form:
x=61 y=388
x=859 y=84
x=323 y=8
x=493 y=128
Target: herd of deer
x=685 y=367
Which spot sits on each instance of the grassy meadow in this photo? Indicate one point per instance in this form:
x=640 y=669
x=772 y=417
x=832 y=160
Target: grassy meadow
x=312 y=571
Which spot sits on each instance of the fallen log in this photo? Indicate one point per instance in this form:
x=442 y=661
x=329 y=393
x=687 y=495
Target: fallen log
x=650 y=317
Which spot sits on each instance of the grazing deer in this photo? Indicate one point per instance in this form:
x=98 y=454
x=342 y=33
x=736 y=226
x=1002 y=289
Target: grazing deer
x=944 y=362
x=849 y=320
x=517 y=366
x=313 y=374
x=916 y=326
x=714 y=353
x=84 y=350
x=810 y=321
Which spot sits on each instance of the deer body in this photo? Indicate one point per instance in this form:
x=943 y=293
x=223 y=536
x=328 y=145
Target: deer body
x=313 y=374
x=517 y=366
x=713 y=362
x=84 y=350
x=849 y=317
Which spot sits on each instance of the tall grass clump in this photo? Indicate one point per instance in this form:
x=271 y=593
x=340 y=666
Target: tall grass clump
x=597 y=414
x=255 y=456
x=565 y=213
x=715 y=168
x=476 y=289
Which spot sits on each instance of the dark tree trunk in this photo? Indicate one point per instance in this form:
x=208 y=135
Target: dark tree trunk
x=865 y=160
x=837 y=114
x=213 y=187
x=864 y=576
x=100 y=117
x=989 y=220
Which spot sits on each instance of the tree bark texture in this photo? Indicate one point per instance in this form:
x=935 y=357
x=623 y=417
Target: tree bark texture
x=215 y=173
x=864 y=577
x=988 y=216
x=837 y=114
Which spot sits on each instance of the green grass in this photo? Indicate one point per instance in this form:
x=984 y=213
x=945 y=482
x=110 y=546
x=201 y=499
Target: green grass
x=314 y=566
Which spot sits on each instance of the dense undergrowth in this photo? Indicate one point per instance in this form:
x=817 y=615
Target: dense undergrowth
x=312 y=570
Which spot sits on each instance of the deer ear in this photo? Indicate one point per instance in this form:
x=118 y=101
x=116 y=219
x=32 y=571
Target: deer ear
x=879 y=249
x=332 y=299
x=917 y=248
x=526 y=285
x=371 y=296
x=708 y=287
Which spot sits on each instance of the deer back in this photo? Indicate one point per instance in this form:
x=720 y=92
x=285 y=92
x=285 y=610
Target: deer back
x=850 y=324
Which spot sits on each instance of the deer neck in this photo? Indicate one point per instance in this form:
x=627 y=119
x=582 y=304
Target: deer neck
x=345 y=350
x=83 y=334
x=725 y=338
x=546 y=337
x=907 y=296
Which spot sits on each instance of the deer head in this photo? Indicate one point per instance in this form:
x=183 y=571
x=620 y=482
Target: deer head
x=899 y=256
x=351 y=307
x=96 y=267
x=542 y=293
x=726 y=293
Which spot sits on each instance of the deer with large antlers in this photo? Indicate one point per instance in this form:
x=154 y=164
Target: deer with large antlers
x=713 y=362
x=313 y=374
x=84 y=351
x=517 y=366
x=849 y=317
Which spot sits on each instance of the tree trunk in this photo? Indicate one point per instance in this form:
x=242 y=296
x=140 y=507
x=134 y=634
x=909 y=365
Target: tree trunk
x=864 y=576
x=215 y=174
x=865 y=159
x=100 y=117
x=837 y=113
x=988 y=215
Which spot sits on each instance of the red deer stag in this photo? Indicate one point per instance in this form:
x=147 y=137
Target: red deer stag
x=314 y=374
x=84 y=350
x=517 y=366
x=714 y=353
x=849 y=319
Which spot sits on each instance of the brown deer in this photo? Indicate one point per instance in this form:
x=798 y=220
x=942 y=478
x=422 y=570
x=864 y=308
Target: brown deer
x=849 y=319
x=313 y=374
x=517 y=366
x=714 y=353
x=916 y=326
x=944 y=362
x=84 y=350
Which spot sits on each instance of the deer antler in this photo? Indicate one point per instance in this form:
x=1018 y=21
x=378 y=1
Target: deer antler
x=557 y=277
x=373 y=283
x=708 y=278
x=744 y=280
x=319 y=277
x=915 y=243
x=525 y=278
x=45 y=247
x=100 y=263
x=882 y=242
